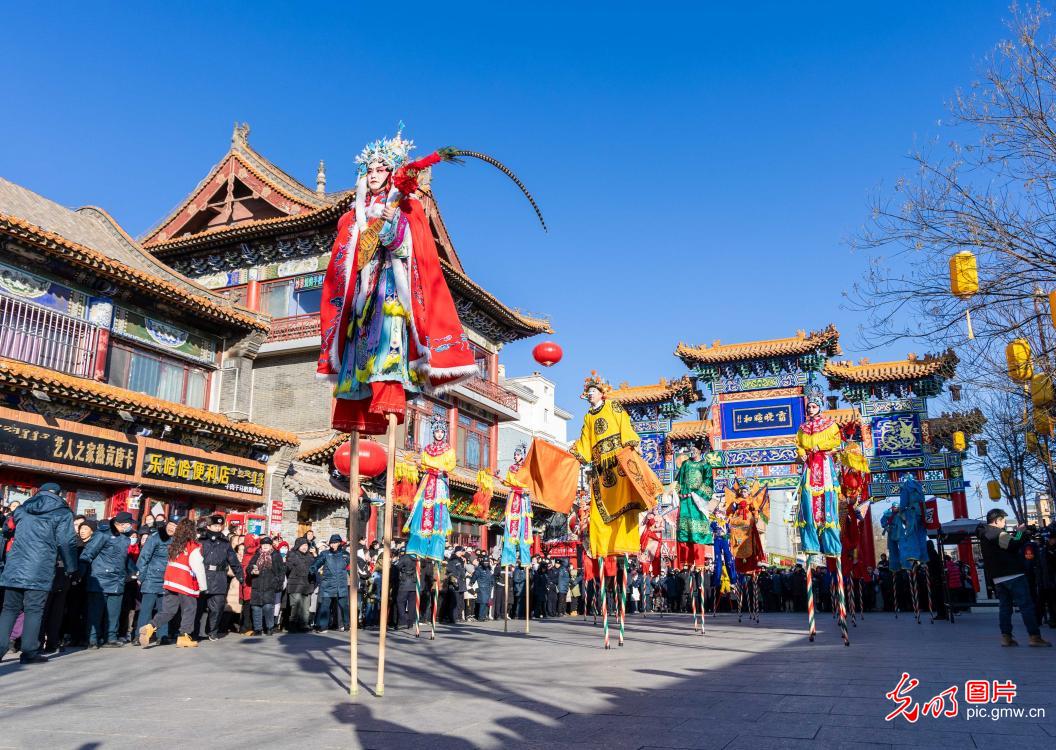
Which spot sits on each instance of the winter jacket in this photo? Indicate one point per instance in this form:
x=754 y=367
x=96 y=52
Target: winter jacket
x=267 y=582
x=152 y=561
x=485 y=581
x=299 y=578
x=1001 y=550
x=218 y=558
x=456 y=574
x=43 y=531
x=105 y=561
x=407 y=566
x=518 y=581
x=252 y=544
x=563 y=580
x=331 y=570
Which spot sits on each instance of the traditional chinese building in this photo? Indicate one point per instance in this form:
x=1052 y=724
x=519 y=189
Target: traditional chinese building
x=757 y=406
x=113 y=374
x=892 y=401
x=254 y=234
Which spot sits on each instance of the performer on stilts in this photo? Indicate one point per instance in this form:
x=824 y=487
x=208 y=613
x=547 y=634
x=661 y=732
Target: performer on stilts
x=606 y=445
x=748 y=513
x=694 y=483
x=724 y=577
x=517 y=536
x=913 y=546
x=388 y=324
x=818 y=510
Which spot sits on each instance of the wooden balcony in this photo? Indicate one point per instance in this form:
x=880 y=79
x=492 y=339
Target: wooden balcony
x=291 y=329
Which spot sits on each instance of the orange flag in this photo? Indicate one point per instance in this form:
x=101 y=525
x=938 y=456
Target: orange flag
x=551 y=475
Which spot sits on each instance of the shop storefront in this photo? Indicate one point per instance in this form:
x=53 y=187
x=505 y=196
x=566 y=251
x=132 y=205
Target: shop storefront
x=104 y=472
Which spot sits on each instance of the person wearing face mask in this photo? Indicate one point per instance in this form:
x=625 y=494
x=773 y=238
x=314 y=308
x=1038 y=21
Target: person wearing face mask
x=106 y=565
x=218 y=558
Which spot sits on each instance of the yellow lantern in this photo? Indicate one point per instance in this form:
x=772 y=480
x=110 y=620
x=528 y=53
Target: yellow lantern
x=993 y=489
x=1017 y=355
x=959 y=443
x=1052 y=306
x=1041 y=391
x=1042 y=423
x=964 y=281
x=1006 y=477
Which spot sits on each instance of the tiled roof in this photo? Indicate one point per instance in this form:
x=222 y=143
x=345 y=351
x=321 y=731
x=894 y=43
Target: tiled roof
x=91 y=239
x=14 y=374
x=247 y=162
x=460 y=283
x=911 y=368
x=306 y=480
x=683 y=389
x=690 y=430
x=826 y=341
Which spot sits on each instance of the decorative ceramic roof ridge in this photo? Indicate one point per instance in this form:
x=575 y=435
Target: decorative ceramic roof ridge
x=471 y=288
x=654 y=392
x=95 y=260
x=910 y=368
x=90 y=391
x=827 y=339
x=293 y=185
x=309 y=480
x=227 y=232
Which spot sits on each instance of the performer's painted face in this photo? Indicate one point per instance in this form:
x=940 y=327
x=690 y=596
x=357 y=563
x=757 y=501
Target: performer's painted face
x=813 y=409
x=594 y=396
x=439 y=435
x=377 y=176
x=694 y=453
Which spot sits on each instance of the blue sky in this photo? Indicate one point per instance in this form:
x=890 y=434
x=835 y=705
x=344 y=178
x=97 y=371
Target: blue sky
x=700 y=168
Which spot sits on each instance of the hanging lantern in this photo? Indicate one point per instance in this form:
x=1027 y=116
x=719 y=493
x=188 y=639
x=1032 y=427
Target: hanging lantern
x=372 y=458
x=1052 y=306
x=981 y=448
x=547 y=353
x=1006 y=476
x=1017 y=355
x=1032 y=442
x=959 y=443
x=1042 y=423
x=993 y=489
x=1041 y=391
x=964 y=281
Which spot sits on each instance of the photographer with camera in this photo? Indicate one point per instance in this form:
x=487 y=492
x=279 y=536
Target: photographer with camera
x=1003 y=564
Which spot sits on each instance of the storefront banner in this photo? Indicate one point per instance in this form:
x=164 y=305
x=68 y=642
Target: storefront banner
x=25 y=440
x=196 y=471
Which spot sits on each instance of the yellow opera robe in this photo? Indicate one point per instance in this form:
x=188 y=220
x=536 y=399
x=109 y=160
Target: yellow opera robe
x=615 y=507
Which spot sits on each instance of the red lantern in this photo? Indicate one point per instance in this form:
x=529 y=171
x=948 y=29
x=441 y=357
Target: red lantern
x=372 y=458
x=547 y=353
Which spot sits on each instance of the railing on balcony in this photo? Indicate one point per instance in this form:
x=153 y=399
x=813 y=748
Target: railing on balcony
x=34 y=334
x=297 y=327
x=490 y=390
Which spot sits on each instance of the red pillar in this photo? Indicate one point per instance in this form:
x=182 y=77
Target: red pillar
x=964 y=549
x=253 y=295
x=102 y=345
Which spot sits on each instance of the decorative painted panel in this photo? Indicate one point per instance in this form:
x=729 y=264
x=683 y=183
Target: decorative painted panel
x=42 y=291
x=752 y=457
x=897 y=435
x=652 y=447
x=756 y=383
x=875 y=408
x=140 y=327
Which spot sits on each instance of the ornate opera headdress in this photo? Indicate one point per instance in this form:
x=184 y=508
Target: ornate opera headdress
x=816 y=396
x=392 y=152
x=595 y=381
x=521 y=450
x=440 y=425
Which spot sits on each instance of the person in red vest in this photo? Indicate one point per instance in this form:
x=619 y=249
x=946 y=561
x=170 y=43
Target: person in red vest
x=184 y=580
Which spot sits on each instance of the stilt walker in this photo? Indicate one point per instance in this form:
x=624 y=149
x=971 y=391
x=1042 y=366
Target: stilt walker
x=379 y=342
x=517 y=527
x=912 y=544
x=622 y=484
x=694 y=483
x=818 y=508
x=747 y=515
x=693 y=597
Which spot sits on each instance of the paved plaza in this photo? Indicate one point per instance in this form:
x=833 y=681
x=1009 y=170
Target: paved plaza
x=739 y=686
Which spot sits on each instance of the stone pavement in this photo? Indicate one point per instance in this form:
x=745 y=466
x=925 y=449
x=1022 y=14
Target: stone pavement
x=739 y=686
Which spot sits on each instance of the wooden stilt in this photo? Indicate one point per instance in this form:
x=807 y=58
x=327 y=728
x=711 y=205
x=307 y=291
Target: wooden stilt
x=693 y=595
x=417 y=598
x=353 y=577
x=842 y=605
x=913 y=591
x=505 y=596
x=386 y=554
x=527 y=598
x=436 y=600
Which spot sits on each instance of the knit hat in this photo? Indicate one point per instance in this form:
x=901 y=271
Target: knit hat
x=123 y=517
x=265 y=540
x=335 y=539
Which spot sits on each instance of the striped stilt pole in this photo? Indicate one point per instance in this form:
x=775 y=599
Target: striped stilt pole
x=913 y=592
x=417 y=598
x=842 y=606
x=894 y=591
x=623 y=599
x=861 y=609
x=604 y=607
x=755 y=595
x=810 y=599
x=740 y=597
x=693 y=597
x=850 y=599
x=506 y=597
x=436 y=603
x=927 y=590
x=832 y=594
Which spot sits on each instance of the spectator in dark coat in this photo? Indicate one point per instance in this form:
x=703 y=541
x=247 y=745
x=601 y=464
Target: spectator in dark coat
x=106 y=565
x=150 y=568
x=564 y=581
x=219 y=559
x=300 y=583
x=43 y=531
x=455 y=585
x=267 y=574
x=407 y=575
x=485 y=580
x=331 y=570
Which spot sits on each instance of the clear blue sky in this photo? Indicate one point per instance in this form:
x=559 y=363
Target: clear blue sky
x=700 y=170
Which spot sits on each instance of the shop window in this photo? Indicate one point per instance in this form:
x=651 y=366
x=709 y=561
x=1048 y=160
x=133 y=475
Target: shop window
x=291 y=297
x=91 y=504
x=169 y=379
